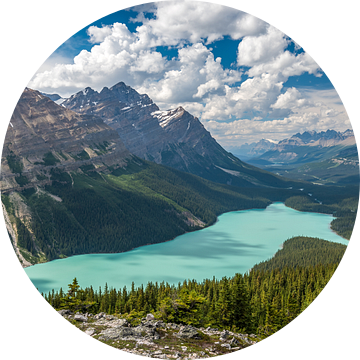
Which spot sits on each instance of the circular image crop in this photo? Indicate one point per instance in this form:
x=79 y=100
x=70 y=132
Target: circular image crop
x=179 y=180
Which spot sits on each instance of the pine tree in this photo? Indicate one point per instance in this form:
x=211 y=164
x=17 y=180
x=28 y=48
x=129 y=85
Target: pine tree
x=72 y=299
x=242 y=313
x=224 y=309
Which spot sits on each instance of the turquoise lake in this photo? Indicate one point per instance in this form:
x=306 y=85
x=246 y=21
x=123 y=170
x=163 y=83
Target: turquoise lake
x=235 y=243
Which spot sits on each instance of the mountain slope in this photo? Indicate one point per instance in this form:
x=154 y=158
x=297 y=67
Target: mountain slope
x=69 y=186
x=42 y=134
x=173 y=138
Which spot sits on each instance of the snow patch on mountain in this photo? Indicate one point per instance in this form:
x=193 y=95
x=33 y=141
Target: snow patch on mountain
x=165 y=117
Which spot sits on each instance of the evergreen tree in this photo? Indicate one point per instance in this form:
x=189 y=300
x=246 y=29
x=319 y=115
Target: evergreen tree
x=241 y=313
x=223 y=307
x=72 y=300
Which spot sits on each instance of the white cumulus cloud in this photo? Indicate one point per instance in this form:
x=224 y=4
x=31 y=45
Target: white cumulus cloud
x=290 y=99
x=193 y=21
x=231 y=102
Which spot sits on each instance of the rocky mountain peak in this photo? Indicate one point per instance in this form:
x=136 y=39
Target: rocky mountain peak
x=120 y=95
x=171 y=137
x=312 y=136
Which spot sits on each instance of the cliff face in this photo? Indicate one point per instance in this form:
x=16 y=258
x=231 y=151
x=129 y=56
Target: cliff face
x=42 y=134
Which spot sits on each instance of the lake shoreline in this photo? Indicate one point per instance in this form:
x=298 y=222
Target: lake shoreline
x=187 y=232
x=234 y=244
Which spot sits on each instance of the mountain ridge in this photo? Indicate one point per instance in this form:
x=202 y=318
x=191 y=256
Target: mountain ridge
x=164 y=136
x=42 y=134
x=311 y=138
x=69 y=186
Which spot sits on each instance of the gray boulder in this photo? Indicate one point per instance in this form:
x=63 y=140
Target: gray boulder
x=118 y=333
x=100 y=315
x=79 y=317
x=173 y=326
x=64 y=312
x=145 y=330
x=122 y=322
x=90 y=331
x=188 y=332
x=211 y=329
x=224 y=335
x=128 y=333
x=150 y=317
x=160 y=324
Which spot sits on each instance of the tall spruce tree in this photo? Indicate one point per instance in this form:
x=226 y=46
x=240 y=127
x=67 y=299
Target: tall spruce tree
x=72 y=299
x=241 y=307
x=224 y=308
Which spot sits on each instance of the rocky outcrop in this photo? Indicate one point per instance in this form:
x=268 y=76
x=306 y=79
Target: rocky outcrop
x=188 y=332
x=13 y=238
x=154 y=338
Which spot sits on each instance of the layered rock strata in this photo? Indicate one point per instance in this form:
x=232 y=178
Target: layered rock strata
x=42 y=135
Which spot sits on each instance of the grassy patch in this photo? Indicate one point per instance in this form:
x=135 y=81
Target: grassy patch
x=130 y=183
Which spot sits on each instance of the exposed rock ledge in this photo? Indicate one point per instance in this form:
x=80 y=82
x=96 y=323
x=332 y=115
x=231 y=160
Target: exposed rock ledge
x=156 y=339
x=13 y=238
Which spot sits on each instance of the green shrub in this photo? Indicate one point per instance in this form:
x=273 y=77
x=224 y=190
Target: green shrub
x=15 y=164
x=21 y=180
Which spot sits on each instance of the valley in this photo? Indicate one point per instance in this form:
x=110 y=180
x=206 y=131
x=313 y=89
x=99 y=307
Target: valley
x=112 y=189
x=234 y=244
x=133 y=219
x=71 y=186
x=324 y=158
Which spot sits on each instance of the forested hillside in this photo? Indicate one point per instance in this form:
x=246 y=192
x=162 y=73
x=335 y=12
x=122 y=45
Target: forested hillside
x=90 y=212
x=303 y=251
x=261 y=301
x=335 y=200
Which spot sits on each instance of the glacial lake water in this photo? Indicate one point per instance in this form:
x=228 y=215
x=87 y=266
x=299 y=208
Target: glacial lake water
x=235 y=243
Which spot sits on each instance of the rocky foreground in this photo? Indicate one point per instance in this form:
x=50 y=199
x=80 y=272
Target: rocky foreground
x=156 y=339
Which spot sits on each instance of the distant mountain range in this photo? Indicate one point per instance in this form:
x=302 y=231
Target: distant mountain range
x=311 y=138
x=326 y=157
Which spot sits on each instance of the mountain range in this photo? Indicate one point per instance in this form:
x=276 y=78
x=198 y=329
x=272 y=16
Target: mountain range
x=70 y=186
x=326 y=138
x=172 y=138
x=110 y=171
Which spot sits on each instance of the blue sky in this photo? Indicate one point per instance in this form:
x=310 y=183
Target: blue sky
x=242 y=77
